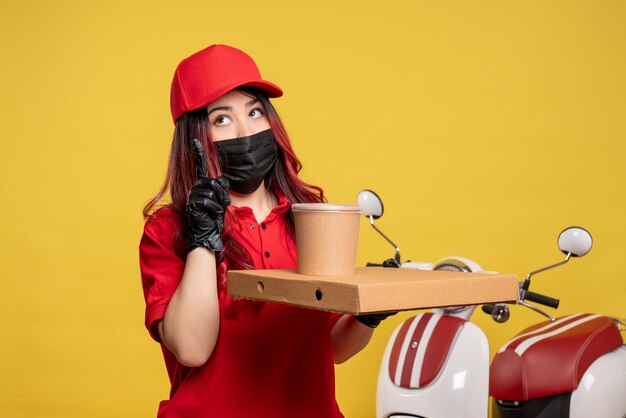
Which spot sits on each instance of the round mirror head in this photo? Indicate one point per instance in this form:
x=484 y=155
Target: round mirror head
x=500 y=313
x=575 y=241
x=370 y=203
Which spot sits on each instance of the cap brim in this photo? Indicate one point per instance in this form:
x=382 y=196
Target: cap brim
x=269 y=88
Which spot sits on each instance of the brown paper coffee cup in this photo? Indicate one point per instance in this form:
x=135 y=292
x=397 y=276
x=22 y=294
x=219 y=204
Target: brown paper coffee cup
x=326 y=238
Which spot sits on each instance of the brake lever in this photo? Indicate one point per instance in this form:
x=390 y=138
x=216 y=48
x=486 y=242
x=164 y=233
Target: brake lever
x=534 y=308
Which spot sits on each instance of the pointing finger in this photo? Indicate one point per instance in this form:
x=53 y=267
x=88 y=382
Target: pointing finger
x=202 y=168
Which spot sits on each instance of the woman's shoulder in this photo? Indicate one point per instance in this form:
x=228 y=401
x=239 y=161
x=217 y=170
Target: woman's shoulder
x=163 y=221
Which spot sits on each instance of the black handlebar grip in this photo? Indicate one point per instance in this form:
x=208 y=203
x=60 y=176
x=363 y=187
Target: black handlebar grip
x=541 y=299
x=488 y=308
x=390 y=262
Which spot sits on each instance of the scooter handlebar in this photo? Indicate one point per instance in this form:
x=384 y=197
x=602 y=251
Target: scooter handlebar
x=542 y=299
x=390 y=262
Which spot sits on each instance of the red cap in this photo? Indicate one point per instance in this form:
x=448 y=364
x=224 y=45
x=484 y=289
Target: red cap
x=207 y=75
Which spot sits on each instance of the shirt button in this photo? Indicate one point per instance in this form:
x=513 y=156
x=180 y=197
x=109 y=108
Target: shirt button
x=263 y=226
x=267 y=254
x=251 y=226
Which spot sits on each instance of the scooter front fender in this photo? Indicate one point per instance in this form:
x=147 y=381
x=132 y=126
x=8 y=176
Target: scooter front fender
x=460 y=390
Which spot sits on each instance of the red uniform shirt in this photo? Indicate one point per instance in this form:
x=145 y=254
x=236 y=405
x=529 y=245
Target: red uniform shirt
x=270 y=360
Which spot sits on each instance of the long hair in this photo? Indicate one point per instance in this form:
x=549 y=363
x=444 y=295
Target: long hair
x=181 y=175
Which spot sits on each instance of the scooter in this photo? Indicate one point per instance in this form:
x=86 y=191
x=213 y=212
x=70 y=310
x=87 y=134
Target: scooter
x=436 y=364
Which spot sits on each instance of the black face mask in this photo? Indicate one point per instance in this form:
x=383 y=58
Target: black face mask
x=247 y=160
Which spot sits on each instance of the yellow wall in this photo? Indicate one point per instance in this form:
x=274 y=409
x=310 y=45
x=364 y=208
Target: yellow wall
x=486 y=126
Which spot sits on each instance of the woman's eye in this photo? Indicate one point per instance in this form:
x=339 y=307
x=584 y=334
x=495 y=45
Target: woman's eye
x=222 y=120
x=256 y=113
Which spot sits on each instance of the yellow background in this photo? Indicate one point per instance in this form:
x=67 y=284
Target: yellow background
x=486 y=127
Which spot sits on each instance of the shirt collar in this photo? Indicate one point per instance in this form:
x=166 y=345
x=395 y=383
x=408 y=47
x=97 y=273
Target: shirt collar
x=277 y=211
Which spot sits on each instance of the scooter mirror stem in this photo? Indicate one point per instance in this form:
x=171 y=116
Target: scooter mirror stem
x=527 y=281
x=397 y=256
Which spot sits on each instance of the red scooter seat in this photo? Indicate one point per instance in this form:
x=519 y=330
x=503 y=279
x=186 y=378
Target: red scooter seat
x=551 y=357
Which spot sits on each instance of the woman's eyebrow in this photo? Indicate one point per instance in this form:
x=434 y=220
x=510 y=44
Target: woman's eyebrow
x=230 y=108
x=227 y=108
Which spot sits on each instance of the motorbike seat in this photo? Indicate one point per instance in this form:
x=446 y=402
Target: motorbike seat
x=420 y=349
x=550 y=358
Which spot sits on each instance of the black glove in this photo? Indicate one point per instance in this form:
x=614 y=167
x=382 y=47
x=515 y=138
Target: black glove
x=373 y=320
x=206 y=205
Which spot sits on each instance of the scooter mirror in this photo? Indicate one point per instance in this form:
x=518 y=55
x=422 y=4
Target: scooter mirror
x=575 y=241
x=370 y=203
x=372 y=208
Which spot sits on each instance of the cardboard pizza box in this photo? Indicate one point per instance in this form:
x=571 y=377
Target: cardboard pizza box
x=373 y=289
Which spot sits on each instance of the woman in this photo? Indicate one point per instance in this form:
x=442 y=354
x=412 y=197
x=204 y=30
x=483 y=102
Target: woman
x=232 y=177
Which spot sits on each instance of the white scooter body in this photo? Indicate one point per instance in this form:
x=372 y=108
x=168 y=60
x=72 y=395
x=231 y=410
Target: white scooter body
x=461 y=389
x=602 y=389
x=461 y=386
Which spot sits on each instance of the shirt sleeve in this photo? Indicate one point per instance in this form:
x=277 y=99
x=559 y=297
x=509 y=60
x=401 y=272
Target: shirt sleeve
x=161 y=267
x=334 y=317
